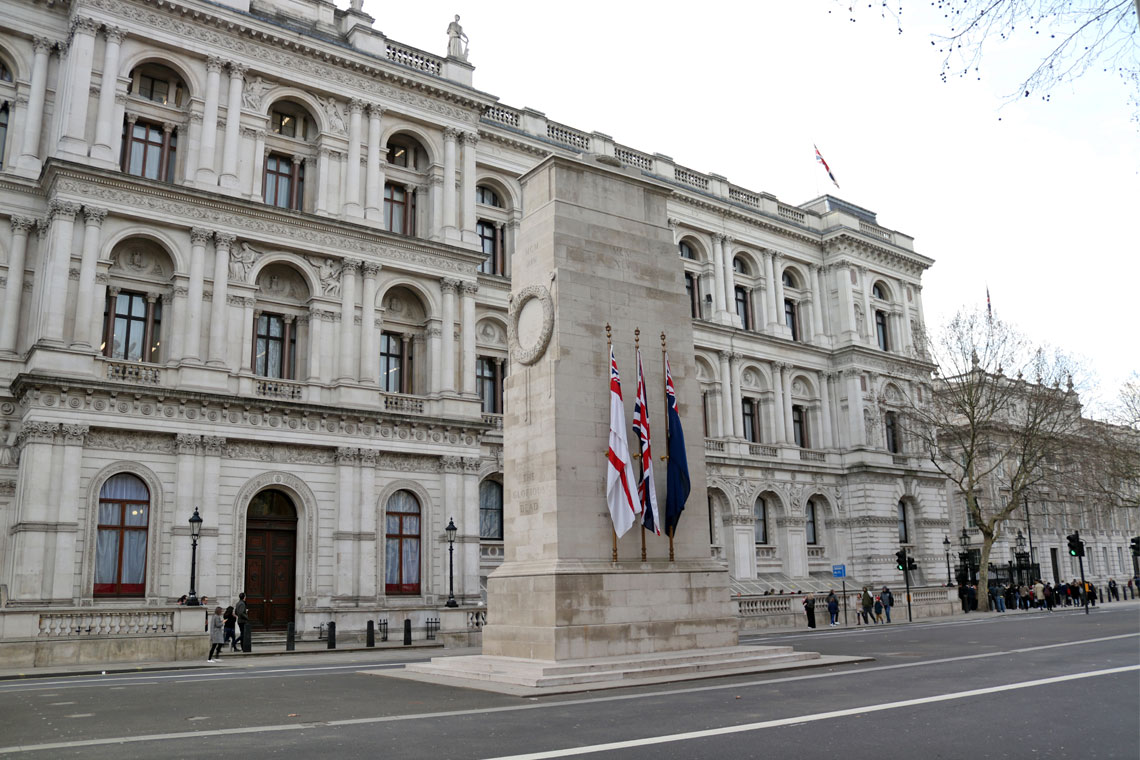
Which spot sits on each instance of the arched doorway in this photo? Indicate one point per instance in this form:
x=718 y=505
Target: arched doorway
x=270 y=560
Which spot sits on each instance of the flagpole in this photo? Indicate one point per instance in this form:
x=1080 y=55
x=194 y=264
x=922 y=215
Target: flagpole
x=665 y=394
x=610 y=345
x=641 y=456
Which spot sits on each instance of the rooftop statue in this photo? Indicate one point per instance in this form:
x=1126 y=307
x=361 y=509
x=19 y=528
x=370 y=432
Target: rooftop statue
x=456 y=40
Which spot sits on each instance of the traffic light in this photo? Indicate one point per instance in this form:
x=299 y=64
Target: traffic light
x=1076 y=545
x=911 y=564
x=900 y=559
x=1136 y=546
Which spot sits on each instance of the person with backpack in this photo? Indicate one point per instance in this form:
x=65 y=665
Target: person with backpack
x=888 y=602
x=833 y=607
x=866 y=601
x=879 y=611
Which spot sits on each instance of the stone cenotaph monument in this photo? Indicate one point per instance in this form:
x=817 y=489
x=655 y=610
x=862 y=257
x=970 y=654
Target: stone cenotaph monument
x=562 y=615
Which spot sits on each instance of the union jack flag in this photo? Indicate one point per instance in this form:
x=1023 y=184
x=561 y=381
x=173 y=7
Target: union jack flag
x=826 y=168
x=647 y=493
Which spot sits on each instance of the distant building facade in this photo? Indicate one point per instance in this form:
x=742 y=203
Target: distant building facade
x=257 y=262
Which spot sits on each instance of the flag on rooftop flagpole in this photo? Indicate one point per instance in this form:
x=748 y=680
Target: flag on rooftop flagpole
x=619 y=474
x=989 y=308
x=646 y=491
x=826 y=168
x=677 y=492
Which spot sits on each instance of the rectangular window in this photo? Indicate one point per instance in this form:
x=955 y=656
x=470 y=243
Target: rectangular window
x=3 y=130
x=751 y=420
x=489 y=244
x=693 y=290
x=392 y=362
x=903 y=535
x=743 y=307
x=881 y=330
x=284 y=182
x=790 y=318
x=131 y=327
x=149 y=151
x=276 y=347
x=490 y=385
x=760 y=527
x=892 y=425
x=399 y=209
x=153 y=89
x=809 y=523
x=799 y=426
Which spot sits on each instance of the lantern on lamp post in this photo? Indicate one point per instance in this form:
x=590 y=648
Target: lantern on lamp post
x=451 y=531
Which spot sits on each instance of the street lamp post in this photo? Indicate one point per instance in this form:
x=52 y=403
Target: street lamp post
x=946 y=548
x=1022 y=568
x=964 y=555
x=451 y=531
x=195 y=531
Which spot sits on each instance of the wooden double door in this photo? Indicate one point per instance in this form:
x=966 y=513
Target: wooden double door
x=271 y=561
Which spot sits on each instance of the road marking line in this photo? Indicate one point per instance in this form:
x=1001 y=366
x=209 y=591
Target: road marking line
x=558 y=704
x=802 y=719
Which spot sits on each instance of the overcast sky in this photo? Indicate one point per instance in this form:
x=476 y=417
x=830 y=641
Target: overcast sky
x=1039 y=201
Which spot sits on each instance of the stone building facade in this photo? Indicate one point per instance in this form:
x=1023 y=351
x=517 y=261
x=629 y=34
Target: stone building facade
x=256 y=263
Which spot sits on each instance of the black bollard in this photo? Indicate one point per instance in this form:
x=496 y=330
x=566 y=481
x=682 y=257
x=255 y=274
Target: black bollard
x=246 y=638
x=332 y=635
x=290 y=638
x=407 y=632
x=370 y=635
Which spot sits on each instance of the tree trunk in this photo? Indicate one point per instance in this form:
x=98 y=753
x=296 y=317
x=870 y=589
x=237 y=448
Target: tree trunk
x=984 y=573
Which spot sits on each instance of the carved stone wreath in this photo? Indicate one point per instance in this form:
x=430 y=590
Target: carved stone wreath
x=528 y=355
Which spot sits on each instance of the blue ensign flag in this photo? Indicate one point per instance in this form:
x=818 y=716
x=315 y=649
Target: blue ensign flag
x=678 y=484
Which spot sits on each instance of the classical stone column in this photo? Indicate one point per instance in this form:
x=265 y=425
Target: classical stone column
x=31 y=509
x=61 y=215
x=366 y=559
x=470 y=141
x=509 y=246
x=825 y=410
x=350 y=201
x=433 y=335
x=229 y=178
x=92 y=237
x=737 y=401
x=374 y=168
x=779 y=433
x=467 y=566
x=449 y=222
x=817 y=334
x=324 y=158
x=257 y=181
x=435 y=202
x=194 y=146
x=847 y=323
x=729 y=277
x=904 y=329
x=369 y=347
x=63 y=576
x=37 y=92
x=467 y=315
x=80 y=58
x=821 y=289
x=185 y=500
x=206 y=171
x=718 y=275
x=868 y=312
x=726 y=395
x=104 y=148
x=447 y=344
x=857 y=435
x=348 y=366
x=219 y=306
x=789 y=427
x=14 y=290
x=191 y=343
x=770 y=291
x=346 y=459
x=315 y=337
x=778 y=295
x=209 y=459
x=918 y=306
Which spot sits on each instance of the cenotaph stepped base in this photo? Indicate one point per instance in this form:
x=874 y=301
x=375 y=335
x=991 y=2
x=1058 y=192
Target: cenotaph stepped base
x=594 y=247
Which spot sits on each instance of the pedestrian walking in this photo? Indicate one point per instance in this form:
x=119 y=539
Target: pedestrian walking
x=1113 y=590
x=997 y=598
x=217 y=635
x=241 y=612
x=888 y=602
x=964 y=598
x=809 y=608
x=866 y=602
x=1049 y=593
x=879 y=611
x=1039 y=594
x=833 y=607
x=229 y=620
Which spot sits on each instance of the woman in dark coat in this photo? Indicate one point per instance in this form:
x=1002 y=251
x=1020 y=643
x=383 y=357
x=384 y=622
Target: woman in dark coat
x=833 y=608
x=809 y=608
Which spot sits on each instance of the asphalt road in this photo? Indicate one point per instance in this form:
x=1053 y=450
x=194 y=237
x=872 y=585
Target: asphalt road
x=1023 y=685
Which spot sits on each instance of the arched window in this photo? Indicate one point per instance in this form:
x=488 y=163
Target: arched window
x=120 y=543
x=760 y=526
x=687 y=251
x=404 y=323
x=289 y=119
x=809 y=522
x=788 y=279
x=289 y=146
x=892 y=429
x=740 y=266
x=158 y=84
x=5 y=72
x=904 y=537
x=491 y=510
x=406 y=151
x=877 y=291
x=487 y=196
x=402 y=544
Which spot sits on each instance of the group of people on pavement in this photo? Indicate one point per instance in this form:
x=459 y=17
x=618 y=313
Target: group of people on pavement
x=1041 y=595
x=227 y=626
x=877 y=607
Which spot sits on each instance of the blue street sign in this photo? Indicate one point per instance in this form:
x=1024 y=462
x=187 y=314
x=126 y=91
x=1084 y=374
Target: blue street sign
x=839 y=571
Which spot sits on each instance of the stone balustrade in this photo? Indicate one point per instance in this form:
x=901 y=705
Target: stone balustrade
x=133 y=372
x=282 y=389
x=414 y=59
x=105 y=623
x=395 y=402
